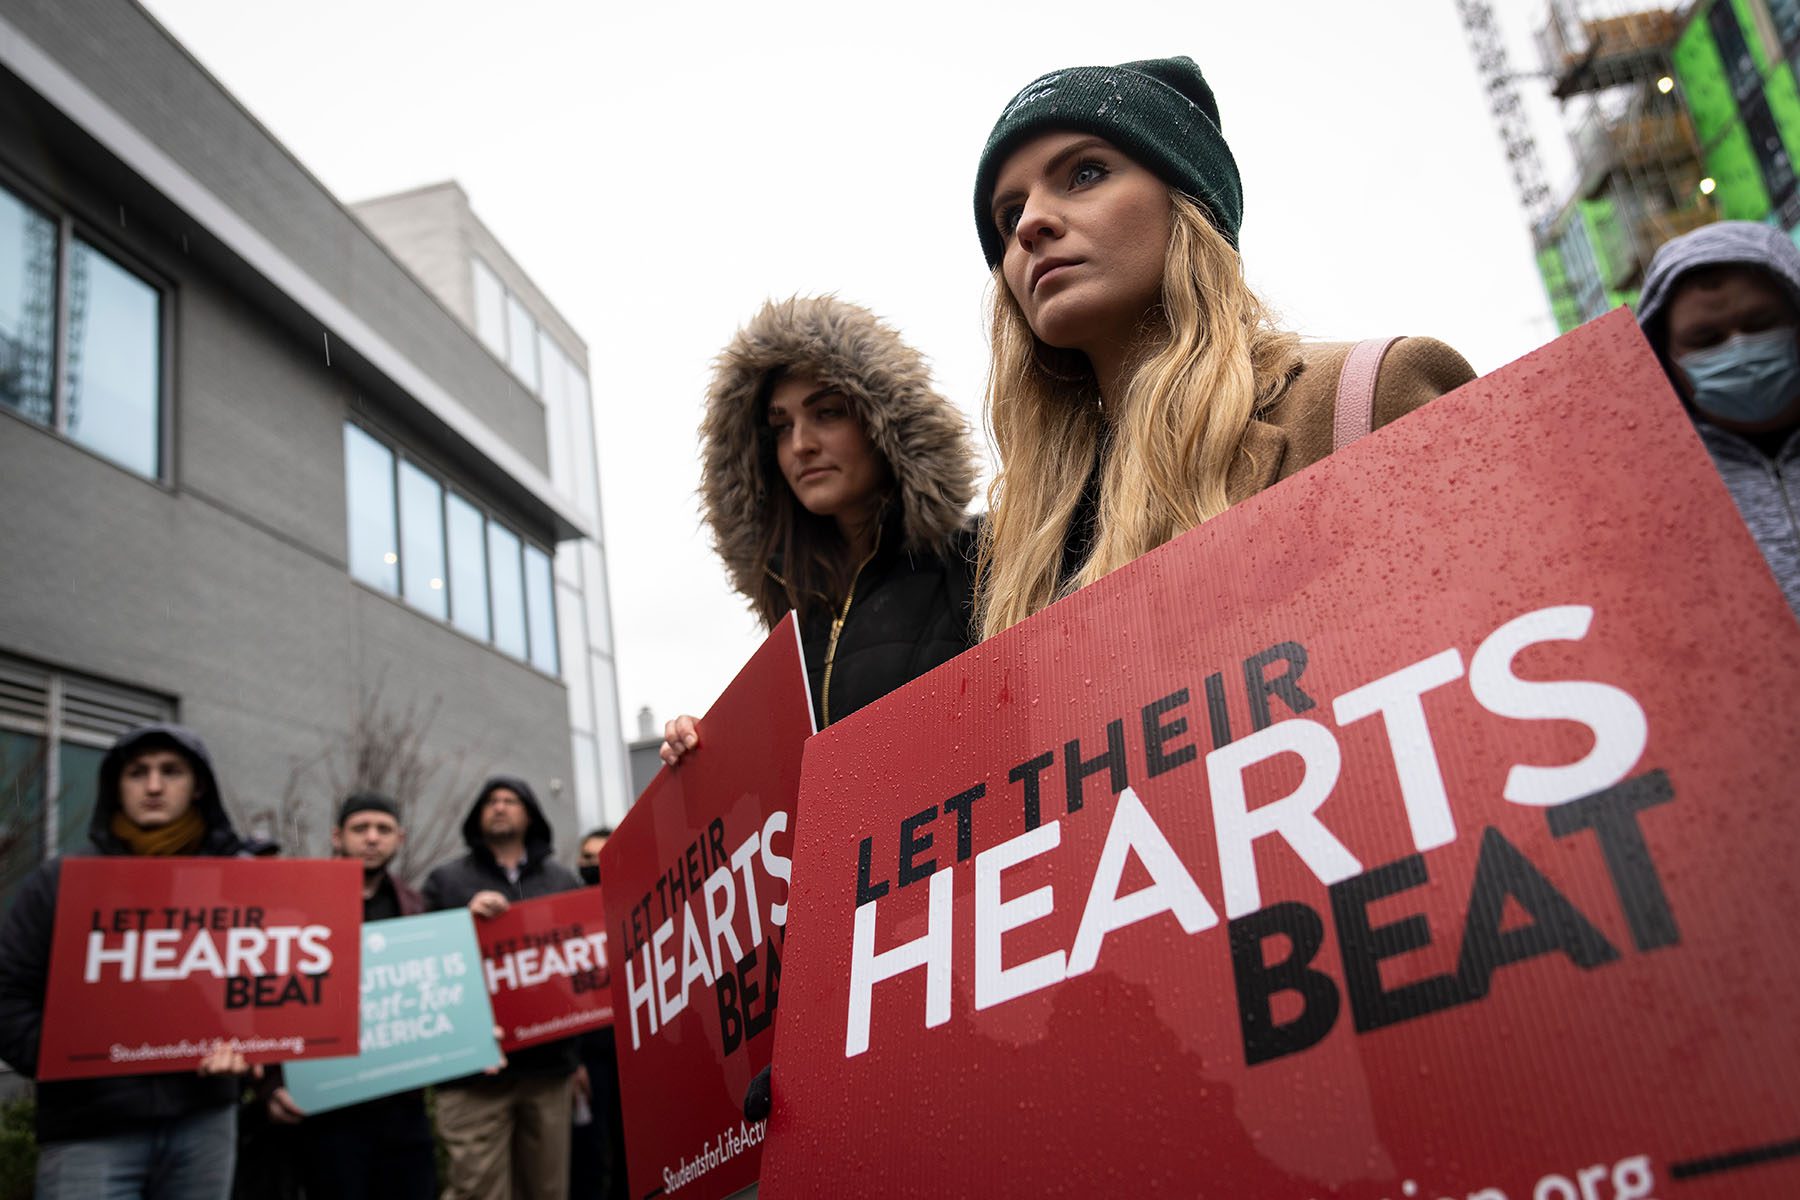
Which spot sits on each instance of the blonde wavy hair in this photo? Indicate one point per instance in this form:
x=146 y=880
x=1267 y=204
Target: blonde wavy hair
x=1210 y=357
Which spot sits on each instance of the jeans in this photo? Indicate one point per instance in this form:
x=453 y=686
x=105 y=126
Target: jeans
x=185 y=1158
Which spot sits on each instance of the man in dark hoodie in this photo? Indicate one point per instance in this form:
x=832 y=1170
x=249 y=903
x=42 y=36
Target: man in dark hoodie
x=382 y=1147
x=507 y=1134
x=171 y=1136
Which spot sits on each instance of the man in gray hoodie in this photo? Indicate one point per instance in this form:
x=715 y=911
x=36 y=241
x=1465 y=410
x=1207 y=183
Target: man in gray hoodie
x=1721 y=306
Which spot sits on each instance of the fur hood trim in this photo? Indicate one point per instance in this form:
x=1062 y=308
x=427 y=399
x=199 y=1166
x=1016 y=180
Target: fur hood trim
x=924 y=437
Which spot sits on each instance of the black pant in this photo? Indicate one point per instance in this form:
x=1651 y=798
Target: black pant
x=597 y=1150
x=381 y=1150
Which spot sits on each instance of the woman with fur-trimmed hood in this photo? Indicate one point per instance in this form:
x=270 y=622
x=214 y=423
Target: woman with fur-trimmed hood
x=836 y=481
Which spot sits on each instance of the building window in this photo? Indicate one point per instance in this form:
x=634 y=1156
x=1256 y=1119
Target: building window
x=468 y=569
x=521 y=334
x=413 y=537
x=540 y=610
x=552 y=365
x=106 y=392
x=507 y=573
x=506 y=327
x=54 y=729
x=27 y=310
x=422 y=542
x=113 y=370
x=369 y=486
x=490 y=307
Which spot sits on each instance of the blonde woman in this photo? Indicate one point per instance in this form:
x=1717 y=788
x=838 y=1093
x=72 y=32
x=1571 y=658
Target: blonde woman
x=1138 y=386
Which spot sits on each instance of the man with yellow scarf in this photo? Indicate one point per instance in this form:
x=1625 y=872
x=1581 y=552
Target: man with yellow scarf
x=169 y=1136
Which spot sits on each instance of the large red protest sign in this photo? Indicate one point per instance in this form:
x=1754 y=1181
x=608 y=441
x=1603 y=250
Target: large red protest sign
x=546 y=968
x=1422 y=827
x=696 y=883
x=154 y=960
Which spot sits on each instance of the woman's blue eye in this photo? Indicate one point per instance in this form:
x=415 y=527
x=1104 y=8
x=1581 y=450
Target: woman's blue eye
x=1087 y=172
x=1008 y=220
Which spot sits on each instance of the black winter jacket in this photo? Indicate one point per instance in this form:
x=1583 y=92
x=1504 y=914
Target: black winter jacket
x=88 y=1108
x=908 y=613
x=455 y=883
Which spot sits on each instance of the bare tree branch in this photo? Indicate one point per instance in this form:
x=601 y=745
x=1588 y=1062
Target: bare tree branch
x=386 y=750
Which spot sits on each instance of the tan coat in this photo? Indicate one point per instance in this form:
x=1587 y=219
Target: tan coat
x=1295 y=430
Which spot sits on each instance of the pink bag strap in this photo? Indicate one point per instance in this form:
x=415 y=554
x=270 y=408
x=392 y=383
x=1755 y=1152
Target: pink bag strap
x=1355 y=412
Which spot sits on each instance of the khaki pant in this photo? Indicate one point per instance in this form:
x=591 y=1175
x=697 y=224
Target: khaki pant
x=507 y=1138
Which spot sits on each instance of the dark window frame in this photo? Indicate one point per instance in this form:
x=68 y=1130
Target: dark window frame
x=71 y=224
x=55 y=724
x=488 y=517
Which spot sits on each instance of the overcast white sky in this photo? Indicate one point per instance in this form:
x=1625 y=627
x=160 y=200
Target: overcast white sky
x=659 y=169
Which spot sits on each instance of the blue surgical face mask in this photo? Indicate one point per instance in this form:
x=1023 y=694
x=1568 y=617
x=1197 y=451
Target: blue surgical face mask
x=1748 y=378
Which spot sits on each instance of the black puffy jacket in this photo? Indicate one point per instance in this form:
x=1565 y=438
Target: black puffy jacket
x=907 y=613
x=455 y=883
x=87 y=1108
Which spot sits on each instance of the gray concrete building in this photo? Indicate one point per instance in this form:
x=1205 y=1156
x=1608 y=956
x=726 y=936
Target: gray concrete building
x=435 y=232
x=644 y=751
x=264 y=474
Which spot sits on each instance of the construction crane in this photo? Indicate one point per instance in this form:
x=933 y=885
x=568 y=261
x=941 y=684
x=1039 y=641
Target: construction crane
x=1508 y=110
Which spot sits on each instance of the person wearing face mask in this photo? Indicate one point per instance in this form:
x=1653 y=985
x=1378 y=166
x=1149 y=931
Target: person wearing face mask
x=587 y=858
x=597 y=1141
x=1721 y=307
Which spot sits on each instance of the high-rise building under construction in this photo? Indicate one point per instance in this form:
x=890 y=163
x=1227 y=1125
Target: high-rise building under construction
x=1677 y=115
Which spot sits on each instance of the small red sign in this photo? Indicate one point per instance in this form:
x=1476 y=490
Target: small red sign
x=696 y=883
x=154 y=960
x=1422 y=827
x=545 y=962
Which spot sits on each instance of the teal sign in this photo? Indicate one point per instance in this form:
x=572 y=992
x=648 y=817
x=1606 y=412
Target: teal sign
x=425 y=1015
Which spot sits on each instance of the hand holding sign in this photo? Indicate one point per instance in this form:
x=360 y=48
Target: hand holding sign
x=488 y=904
x=225 y=1059
x=282 y=1110
x=696 y=898
x=679 y=736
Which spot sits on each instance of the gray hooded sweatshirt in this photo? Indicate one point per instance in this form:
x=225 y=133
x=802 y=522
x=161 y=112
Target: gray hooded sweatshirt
x=1766 y=490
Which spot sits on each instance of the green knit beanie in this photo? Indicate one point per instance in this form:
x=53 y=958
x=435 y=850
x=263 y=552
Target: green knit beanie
x=1158 y=111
